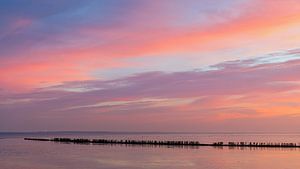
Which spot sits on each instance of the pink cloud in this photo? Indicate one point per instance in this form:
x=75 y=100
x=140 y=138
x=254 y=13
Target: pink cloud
x=237 y=91
x=74 y=55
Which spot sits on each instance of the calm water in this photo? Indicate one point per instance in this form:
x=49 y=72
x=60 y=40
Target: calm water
x=15 y=153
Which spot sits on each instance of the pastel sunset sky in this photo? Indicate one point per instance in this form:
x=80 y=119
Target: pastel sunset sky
x=150 y=65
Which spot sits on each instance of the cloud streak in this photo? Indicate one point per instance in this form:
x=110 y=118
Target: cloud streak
x=245 y=90
x=47 y=43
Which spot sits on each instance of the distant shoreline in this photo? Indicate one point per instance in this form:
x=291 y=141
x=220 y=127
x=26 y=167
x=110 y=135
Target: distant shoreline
x=150 y=132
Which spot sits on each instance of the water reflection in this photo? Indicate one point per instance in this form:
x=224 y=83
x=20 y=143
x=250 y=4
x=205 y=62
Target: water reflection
x=19 y=154
x=185 y=146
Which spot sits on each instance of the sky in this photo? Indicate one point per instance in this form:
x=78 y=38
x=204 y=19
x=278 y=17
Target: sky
x=144 y=65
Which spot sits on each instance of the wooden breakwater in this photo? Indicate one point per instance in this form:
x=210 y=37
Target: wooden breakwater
x=168 y=143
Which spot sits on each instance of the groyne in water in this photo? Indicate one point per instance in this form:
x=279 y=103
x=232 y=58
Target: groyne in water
x=170 y=143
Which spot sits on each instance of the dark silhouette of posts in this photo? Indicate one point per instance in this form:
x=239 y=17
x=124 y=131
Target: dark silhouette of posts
x=168 y=143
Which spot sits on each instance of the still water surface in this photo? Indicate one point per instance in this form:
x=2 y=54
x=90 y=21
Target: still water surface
x=16 y=153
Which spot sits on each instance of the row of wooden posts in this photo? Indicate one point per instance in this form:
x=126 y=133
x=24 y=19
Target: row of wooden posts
x=174 y=143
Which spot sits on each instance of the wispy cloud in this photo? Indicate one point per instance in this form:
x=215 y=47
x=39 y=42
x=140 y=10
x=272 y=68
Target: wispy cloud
x=49 y=43
x=239 y=90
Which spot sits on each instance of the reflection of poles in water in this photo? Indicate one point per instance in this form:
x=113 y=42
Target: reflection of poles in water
x=172 y=143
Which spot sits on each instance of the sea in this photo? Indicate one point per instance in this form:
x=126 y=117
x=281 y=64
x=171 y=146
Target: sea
x=17 y=153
